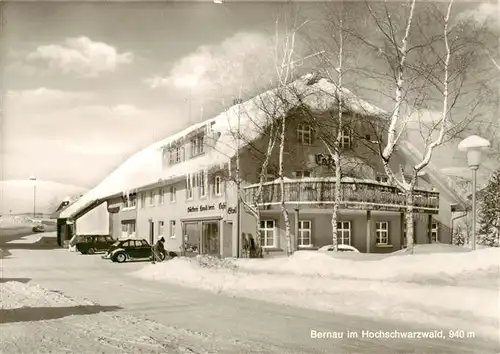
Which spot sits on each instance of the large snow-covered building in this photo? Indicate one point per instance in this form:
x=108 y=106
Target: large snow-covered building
x=183 y=187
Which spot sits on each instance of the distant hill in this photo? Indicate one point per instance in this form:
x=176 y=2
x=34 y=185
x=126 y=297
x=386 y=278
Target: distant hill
x=16 y=196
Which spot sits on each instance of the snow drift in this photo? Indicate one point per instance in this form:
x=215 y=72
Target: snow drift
x=431 y=289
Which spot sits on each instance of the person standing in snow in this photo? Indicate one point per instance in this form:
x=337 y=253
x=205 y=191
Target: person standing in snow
x=159 y=250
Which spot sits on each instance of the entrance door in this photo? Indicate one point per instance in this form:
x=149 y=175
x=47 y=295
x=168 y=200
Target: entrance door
x=151 y=233
x=227 y=247
x=191 y=237
x=210 y=238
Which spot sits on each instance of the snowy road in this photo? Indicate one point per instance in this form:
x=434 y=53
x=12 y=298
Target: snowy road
x=258 y=326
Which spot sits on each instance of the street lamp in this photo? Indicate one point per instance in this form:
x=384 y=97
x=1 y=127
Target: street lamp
x=33 y=178
x=473 y=146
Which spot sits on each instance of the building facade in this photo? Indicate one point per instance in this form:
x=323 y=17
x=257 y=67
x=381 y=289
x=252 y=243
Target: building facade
x=195 y=205
x=201 y=208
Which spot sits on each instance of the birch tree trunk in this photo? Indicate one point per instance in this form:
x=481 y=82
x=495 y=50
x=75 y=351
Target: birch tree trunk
x=409 y=217
x=336 y=152
x=263 y=173
x=284 y=211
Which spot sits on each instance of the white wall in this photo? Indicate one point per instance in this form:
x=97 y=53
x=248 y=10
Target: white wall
x=95 y=221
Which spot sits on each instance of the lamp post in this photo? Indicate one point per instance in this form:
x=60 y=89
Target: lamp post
x=33 y=178
x=473 y=146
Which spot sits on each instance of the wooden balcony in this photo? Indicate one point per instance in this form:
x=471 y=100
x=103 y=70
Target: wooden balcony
x=355 y=194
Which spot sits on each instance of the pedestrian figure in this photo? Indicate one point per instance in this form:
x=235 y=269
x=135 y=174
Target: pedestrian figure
x=159 y=253
x=246 y=245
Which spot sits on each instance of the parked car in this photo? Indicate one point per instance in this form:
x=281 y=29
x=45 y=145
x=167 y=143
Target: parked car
x=38 y=228
x=90 y=244
x=133 y=249
x=340 y=248
x=129 y=249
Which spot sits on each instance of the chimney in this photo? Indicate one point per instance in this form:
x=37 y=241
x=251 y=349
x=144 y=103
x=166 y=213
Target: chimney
x=237 y=101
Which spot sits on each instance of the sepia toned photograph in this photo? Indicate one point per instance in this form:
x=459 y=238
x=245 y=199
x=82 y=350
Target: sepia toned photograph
x=230 y=176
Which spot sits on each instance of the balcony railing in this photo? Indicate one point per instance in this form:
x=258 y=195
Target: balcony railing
x=354 y=194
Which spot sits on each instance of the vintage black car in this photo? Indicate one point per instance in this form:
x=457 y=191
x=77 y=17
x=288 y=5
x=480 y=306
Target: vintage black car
x=134 y=249
x=129 y=249
x=90 y=244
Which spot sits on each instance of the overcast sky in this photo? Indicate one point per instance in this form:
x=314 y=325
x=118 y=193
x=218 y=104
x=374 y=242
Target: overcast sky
x=88 y=84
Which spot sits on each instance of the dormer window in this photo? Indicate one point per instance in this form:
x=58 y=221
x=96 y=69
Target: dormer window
x=175 y=154
x=382 y=179
x=304 y=134
x=302 y=174
x=197 y=145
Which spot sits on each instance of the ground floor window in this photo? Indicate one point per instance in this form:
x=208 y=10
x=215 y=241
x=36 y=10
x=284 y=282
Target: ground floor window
x=172 y=229
x=382 y=232
x=434 y=232
x=128 y=230
x=304 y=237
x=160 y=228
x=267 y=233
x=344 y=233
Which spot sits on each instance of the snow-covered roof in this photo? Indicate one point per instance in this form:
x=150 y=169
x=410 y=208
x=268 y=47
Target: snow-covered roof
x=145 y=167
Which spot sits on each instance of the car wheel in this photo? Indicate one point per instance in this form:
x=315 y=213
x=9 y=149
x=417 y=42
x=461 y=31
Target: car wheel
x=121 y=257
x=91 y=251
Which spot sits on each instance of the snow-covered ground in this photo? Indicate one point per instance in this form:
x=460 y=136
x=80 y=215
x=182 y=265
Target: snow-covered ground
x=34 y=319
x=439 y=285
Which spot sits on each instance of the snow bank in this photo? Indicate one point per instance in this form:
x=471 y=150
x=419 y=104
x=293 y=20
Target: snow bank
x=145 y=167
x=413 y=289
x=445 y=268
x=16 y=295
x=79 y=330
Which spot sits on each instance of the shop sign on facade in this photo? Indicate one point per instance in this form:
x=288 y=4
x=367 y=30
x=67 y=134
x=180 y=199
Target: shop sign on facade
x=206 y=207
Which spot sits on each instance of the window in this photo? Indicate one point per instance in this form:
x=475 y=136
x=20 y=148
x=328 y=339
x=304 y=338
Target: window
x=382 y=179
x=173 y=192
x=189 y=188
x=434 y=232
x=131 y=229
x=345 y=139
x=302 y=174
x=382 y=232
x=218 y=185
x=130 y=201
x=128 y=230
x=202 y=179
x=267 y=232
x=161 y=196
x=171 y=231
x=160 y=228
x=304 y=134
x=198 y=145
x=175 y=154
x=143 y=200
x=151 y=198
x=344 y=233
x=304 y=237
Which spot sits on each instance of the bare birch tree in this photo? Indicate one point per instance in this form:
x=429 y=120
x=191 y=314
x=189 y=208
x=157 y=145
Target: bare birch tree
x=285 y=74
x=399 y=119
